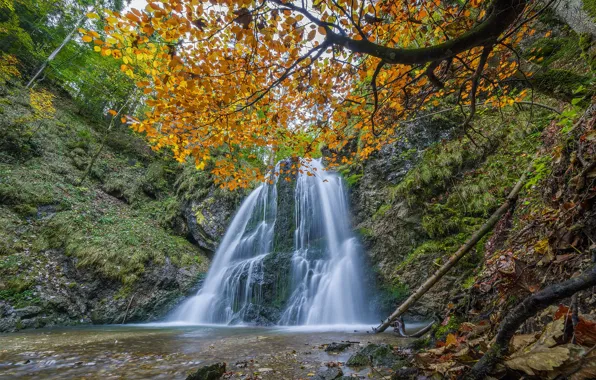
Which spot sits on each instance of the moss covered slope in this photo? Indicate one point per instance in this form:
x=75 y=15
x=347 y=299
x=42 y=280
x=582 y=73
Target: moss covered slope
x=72 y=253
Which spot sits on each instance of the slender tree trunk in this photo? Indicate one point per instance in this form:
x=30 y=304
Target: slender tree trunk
x=56 y=51
x=475 y=238
x=103 y=142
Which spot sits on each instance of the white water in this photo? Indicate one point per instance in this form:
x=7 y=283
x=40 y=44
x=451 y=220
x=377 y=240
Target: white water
x=326 y=268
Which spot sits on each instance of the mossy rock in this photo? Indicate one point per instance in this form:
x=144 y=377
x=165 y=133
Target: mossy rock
x=353 y=179
x=210 y=372
x=379 y=355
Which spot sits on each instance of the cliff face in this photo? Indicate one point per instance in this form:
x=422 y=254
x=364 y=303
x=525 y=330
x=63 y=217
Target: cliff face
x=126 y=245
x=417 y=201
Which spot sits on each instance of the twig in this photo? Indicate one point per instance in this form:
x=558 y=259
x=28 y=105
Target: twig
x=128 y=307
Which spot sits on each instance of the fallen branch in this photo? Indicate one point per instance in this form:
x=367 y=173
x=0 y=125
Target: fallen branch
x=475 y=238
x=401 y=330
x=528 y=308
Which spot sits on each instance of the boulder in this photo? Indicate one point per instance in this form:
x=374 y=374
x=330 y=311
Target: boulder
x=380 y=355
x=209 y=372
x=332 y=373
x=337 y=347
x=27 y=312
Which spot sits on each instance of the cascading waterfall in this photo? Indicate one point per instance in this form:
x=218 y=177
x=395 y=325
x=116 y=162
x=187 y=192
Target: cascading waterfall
x=325 y=284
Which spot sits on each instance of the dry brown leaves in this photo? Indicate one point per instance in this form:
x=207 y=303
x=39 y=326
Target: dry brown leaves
x=547 y=354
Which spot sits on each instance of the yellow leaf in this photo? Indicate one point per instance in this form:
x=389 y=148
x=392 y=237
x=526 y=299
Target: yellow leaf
x=450 y=340
x=87 y=39
x=92 y=15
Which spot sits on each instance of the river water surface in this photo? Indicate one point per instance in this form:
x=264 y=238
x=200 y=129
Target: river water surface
x=170 y=352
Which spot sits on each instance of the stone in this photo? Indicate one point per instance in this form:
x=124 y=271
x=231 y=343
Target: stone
x=337 y=347
x=8 y=324
x=28 y=311
x=209 y=372
x=377 y=354
x=332 y=373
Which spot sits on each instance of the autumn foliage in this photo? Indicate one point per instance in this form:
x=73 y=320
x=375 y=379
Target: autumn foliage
x=234 y=83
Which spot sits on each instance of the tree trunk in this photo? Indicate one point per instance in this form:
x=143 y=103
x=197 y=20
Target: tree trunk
x=103 y=142
x=56 y=51
x=486 y=227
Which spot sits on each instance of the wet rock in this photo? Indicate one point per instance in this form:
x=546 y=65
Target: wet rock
x=8 y=324
x=405 y=373
x=207 y=218
x=209 y=372
x=29 y=311
x=375 y=354
x=329 y=374
x=5 y=309
x=337 y=347
x=28 y=323
x=388 y=226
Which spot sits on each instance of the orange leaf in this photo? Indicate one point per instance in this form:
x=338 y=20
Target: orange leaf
x=585 y=332
x=112 y=112
x=87 y=39
x=451 y=340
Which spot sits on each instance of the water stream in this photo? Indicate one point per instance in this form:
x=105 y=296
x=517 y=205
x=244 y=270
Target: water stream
x=324 y=280
x=171 y=352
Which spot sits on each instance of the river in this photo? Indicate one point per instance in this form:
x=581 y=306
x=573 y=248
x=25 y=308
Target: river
x=170 y=352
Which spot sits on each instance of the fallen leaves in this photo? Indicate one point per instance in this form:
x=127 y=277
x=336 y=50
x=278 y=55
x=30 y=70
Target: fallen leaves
x=546 y=354
x=539 y=359
x=585 y=332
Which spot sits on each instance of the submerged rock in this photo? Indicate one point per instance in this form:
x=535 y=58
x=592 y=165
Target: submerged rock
x=209 y=372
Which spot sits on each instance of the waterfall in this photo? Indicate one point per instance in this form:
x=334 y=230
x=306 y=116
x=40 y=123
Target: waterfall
x=251 y=279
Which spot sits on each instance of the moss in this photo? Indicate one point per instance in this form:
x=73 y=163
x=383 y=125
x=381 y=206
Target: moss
x=381 y=211
x=434 y=249
x=118 y=241
x=554 y=49
x=375 y=354
x=588 y=54
x=365 y=232
x=389 y=297
x=468 y=282
x=116 y=245
x=353 y=179
x=20 y=299
x=441 y=331
x=561 y=83
x=590 y=8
